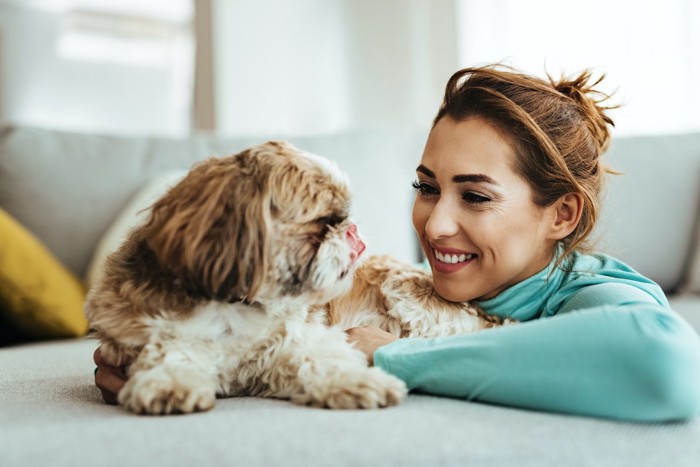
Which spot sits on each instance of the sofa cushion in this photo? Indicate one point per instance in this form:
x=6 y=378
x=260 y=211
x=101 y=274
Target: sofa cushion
x=52 y=415
x=133 y=214
x=38 y=296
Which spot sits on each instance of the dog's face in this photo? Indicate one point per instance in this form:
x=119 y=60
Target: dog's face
x=269 y=222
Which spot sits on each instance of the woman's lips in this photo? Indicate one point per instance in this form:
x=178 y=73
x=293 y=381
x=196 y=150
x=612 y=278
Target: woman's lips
x=448 y=261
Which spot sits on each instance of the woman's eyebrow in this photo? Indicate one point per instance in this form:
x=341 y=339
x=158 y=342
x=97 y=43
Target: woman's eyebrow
x=423 y=169
x=474 y=178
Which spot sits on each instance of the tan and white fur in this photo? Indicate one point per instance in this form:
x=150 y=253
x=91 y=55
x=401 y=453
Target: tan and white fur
x=242 y=281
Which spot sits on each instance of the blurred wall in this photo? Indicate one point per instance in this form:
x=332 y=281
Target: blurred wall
x=315 y=66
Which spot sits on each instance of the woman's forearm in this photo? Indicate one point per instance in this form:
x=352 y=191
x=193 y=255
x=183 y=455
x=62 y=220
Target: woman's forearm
x=633 y=362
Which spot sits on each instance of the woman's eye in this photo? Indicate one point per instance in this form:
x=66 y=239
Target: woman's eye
x=425 y=189
x=474 y=198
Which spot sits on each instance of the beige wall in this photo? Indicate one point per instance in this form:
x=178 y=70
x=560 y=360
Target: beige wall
x=314 y=66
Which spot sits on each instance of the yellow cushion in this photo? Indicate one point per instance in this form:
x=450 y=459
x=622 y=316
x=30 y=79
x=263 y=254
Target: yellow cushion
x=38 y=295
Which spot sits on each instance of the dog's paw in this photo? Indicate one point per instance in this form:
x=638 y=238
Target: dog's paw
x=365 y=388
x=157 y=393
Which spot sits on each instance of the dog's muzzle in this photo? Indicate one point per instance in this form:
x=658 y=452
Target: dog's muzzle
x=356 y=245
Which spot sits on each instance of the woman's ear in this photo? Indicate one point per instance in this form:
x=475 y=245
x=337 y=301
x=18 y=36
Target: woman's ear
x=567 y=214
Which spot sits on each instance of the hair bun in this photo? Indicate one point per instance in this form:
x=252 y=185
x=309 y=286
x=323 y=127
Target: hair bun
x=589 y=100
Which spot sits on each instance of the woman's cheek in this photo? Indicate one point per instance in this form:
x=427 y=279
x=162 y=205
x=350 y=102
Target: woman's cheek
x=420 y=215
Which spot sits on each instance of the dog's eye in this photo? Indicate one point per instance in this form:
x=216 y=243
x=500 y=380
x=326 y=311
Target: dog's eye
x=330 y=221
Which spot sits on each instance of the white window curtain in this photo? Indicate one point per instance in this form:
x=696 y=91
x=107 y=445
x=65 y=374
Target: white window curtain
x=649 y=51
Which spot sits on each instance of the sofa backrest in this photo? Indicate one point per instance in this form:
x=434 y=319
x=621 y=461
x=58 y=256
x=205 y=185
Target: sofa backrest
x=68 y=187
x=651 y=210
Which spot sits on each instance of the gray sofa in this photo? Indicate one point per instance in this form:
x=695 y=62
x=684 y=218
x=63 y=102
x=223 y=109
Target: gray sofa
x=67 y=188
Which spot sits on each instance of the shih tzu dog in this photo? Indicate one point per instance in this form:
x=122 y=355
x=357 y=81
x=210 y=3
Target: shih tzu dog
x=242 y=281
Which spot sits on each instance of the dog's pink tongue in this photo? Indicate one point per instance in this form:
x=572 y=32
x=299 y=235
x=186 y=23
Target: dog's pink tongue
x=356 y=245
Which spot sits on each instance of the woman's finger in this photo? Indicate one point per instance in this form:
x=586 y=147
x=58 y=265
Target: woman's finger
x=109 y=382
x=109 y=379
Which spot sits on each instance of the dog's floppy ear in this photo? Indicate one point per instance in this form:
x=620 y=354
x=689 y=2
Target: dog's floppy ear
x=211 y=230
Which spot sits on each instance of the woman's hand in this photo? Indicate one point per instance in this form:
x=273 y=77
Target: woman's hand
x=109 y=379
x=368 y=339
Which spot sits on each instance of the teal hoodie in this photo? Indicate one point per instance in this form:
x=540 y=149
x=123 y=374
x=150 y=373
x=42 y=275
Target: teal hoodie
x=596 y=338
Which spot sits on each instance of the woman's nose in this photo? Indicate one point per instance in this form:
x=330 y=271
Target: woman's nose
x=442 y=221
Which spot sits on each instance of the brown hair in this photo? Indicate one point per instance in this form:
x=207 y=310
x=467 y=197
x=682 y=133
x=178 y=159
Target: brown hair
x=558 y=129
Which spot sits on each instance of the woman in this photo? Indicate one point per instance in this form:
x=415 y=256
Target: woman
x=507 y=194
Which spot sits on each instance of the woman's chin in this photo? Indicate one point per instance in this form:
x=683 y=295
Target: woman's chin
x=453 y=294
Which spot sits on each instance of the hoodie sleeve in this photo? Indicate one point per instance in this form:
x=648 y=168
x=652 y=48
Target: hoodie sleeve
x=627 y=359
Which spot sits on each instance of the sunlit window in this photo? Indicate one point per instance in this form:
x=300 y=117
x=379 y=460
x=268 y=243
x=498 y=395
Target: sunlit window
x=648 y=50
x=122 y=66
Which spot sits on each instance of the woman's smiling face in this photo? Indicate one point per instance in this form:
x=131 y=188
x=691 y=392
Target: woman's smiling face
x=474 y=215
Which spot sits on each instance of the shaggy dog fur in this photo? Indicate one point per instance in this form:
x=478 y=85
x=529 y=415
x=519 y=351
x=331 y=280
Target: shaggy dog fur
x=242 y=281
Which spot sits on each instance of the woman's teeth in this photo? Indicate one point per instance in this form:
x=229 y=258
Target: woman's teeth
x=452 y=259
